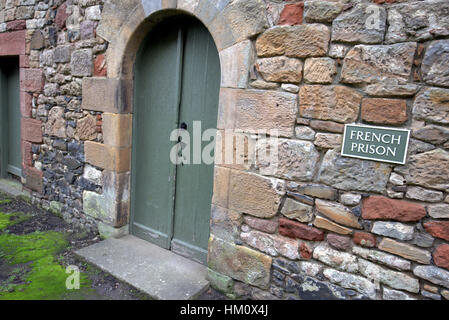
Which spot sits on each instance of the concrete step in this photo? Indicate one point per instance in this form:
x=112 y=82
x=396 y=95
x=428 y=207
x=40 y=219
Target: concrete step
x=12 y=188
x=157 y=272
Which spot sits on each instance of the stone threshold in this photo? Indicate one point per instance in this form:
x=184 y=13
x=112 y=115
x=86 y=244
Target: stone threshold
x=13 y=188
x=160 y=273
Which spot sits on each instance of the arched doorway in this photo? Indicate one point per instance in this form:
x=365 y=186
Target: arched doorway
x=176 y=83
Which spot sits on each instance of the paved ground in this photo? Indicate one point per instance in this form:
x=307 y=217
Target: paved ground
x=36 y=247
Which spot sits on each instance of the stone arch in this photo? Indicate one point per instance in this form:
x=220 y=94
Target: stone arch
x=124 y=25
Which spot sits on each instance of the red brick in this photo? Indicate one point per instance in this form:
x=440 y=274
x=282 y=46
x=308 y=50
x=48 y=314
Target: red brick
x=264 y=225
x=384 y=111
x=295 y=229
x=100 y=69
x=16 y=25
x=31 y=80
x=12 y=43
x=438 y=229
x=25 y=104
x=305 y=251
x=382 y=208
x=441 y=256
x=364 y=239
x=61 y=15
x=27 y=155
x=31 y=130
x=292 y=14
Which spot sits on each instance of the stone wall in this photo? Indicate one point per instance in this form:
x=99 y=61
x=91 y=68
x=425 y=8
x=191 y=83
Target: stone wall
x=321 y=226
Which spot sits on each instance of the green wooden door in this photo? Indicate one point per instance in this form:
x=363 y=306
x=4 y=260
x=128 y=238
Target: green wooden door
x=177 y=81
x=11 y=154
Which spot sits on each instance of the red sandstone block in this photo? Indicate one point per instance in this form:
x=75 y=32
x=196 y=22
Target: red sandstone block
x=295 y=229
x=12 y=43
x=31 y=80
x=24 y=61
x=364 y=239
x=34 y=178
x=31 y=130
x=100 y=69
x=305 y=251
x=27 y=155
x=438 y=229
x=292 y=14
x=441 y=256
x=16 y=25
x=382 y=208
x=25 y=104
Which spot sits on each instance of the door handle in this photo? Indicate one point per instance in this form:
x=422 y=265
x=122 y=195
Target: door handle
x=183 y=126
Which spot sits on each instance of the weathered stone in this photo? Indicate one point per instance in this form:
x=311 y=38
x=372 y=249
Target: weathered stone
x=93 y=175
x=107 y=157
x=296 y=210
x=295 y=160
x=390 y=294
x=314 y=190
x=394 y=279
x=326 y=224
x=56 y=125
x=439 y=211
x=395 y=230
x=305 y=251
x=441 y=256
x=338 y=51
x=93 y=13
x=225 y=224
x=251 y=267
x=367 y=64
x=61 y=15
x=255 y=195
x=344 y=173
x=37 y=40
x=382 y=208
x=295 y=229
x=86 y=128
x=445 y=294
x=82 y=63
x=321 y=11
x=291 y=14
x=384 y=111
x=292 y=88
x=268 y=226
x=397 y=179
x=260 y=84
x=430 y=295
x=328 y=140
x=219 y=281
x=429 y=169
x=304 y=133
x=280 y=69
x=405 y=250
x=350 y=199
x=320 y=70
x=117 y=129
x=432 y=133
x=417 y=21
x=433 y=274
x=311 y=40
x=239 y=20
x=431 y=104
x=391 y=87
x=106 y=231
x=338 y=242
x=273 y=245
x=328 y=126
x=336 y=103
x=423 y=240
x=236 y=60
x=421 y=194
x=365 y=23
x=364 y=239
x=310 y=268
x=351 y=281
x=338 y=213
x=381 y=257
x=253 y=111
x=337 y=259
x=301 y=198
x=438 y=229
x=31 y=80
x=434 y=63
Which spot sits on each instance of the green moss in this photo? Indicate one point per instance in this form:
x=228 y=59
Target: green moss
x=5 y=201
x=44 y=277
x=10 y=219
